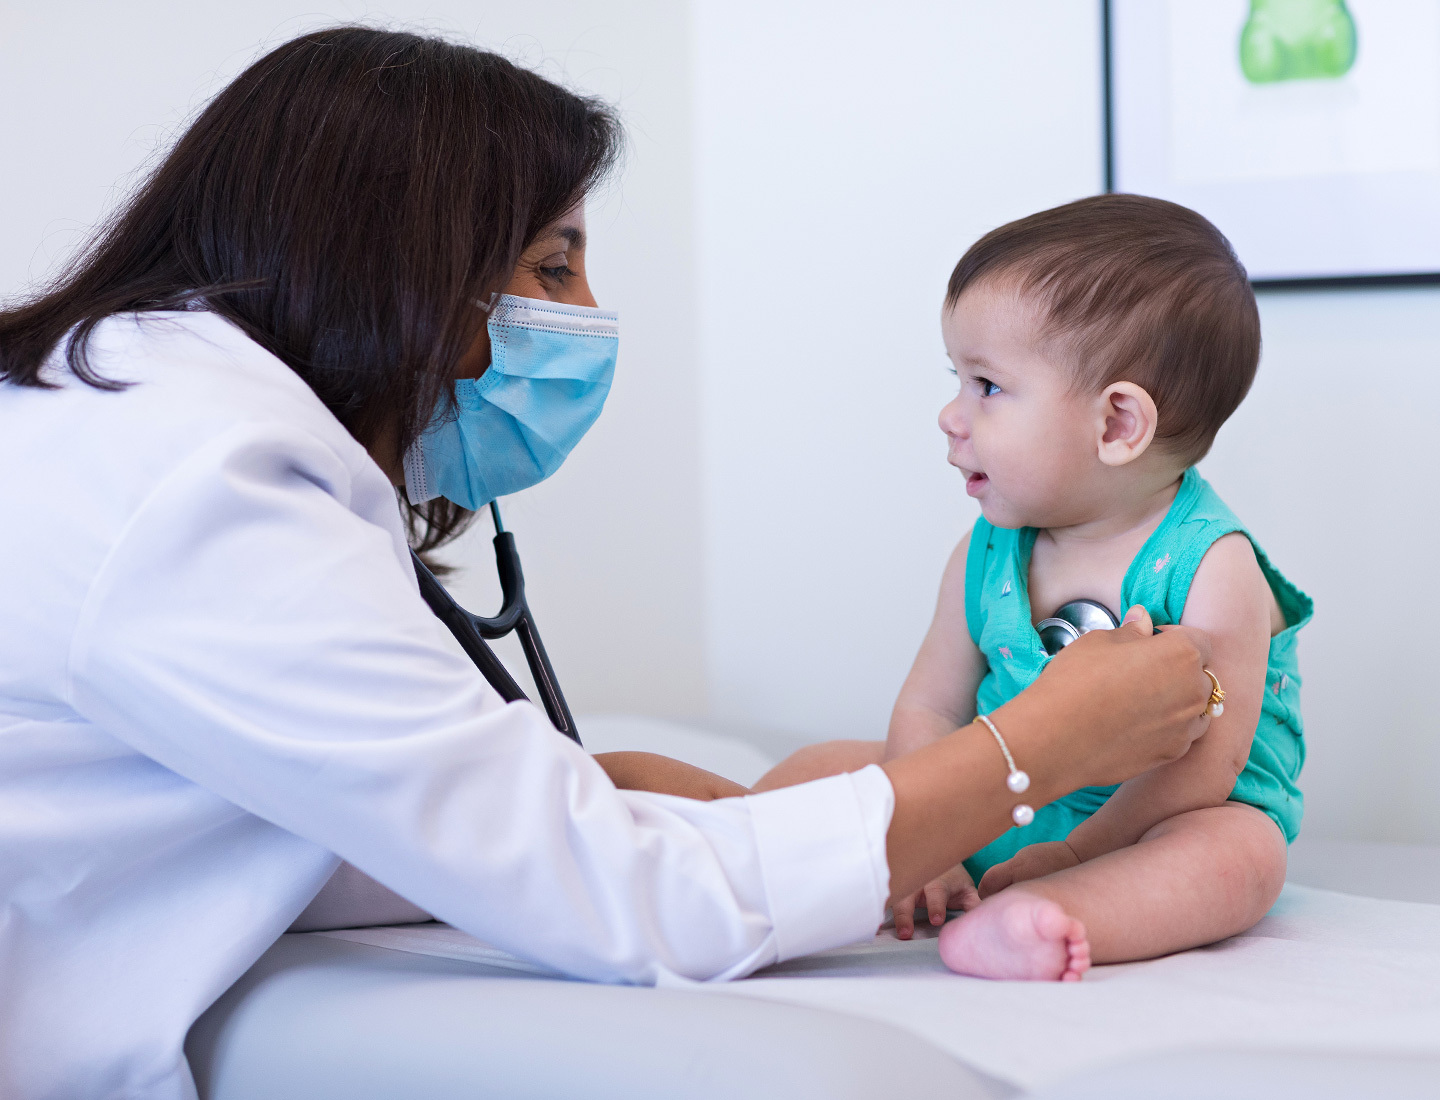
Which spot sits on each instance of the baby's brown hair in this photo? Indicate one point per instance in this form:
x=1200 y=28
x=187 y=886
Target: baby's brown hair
x=1135 y=289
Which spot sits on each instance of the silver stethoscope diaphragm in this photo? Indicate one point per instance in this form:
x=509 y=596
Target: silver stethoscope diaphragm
x=1072 y=620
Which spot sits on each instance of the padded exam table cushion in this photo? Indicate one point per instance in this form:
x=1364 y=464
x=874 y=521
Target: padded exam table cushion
x=1332 y=985
x=322 y=1018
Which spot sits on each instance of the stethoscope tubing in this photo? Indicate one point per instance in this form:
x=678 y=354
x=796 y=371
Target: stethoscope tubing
x=472 y=631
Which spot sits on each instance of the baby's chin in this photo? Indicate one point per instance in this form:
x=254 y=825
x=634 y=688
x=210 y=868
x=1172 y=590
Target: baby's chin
x=1001 y=514
x=1034 y=505
x=1001 y=511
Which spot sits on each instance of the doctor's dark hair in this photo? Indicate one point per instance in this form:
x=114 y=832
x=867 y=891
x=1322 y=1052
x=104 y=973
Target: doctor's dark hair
x=1134 y=289
x=344 y=202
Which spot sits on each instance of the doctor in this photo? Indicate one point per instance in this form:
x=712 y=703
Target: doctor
x=217 y=677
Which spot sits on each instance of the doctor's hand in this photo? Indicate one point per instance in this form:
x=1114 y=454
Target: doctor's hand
x=955 y=889
x=648 y=771
x=1115 y=703
x=1112 y=704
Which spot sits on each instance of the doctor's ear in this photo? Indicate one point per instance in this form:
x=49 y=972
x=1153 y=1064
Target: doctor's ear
x=1128 y=420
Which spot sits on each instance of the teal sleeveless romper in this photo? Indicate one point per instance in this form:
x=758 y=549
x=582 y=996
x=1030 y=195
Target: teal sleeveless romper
x=997 y=610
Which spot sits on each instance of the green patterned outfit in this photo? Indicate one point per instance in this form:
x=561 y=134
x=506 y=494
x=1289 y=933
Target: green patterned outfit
x=997 y=610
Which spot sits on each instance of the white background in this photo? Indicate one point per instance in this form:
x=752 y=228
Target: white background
x=751 y=536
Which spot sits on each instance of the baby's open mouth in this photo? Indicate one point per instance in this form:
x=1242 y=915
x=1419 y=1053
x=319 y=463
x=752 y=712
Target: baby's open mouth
x=975 y=482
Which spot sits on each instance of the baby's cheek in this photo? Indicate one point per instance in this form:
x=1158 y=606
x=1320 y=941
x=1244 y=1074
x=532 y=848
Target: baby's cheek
x=1036 y=480
x=1065 y=454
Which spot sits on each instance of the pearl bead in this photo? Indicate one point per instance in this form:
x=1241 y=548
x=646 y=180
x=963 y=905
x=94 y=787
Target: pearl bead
x=1018 y=782
x=1217 y=709
x=1022 y=814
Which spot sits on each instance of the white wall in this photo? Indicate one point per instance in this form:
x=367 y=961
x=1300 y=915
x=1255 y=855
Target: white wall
x=846 y=160
x=92 y=89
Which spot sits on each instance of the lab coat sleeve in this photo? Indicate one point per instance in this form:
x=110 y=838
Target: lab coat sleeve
x=254 y=632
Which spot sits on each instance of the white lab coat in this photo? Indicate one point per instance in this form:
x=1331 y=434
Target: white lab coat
x=217 y=677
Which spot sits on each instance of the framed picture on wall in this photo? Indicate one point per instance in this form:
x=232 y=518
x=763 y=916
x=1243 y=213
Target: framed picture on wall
x=1307 y=130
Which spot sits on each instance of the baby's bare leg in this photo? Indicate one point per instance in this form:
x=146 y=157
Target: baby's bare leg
x=1194 y=879
x=818 y=761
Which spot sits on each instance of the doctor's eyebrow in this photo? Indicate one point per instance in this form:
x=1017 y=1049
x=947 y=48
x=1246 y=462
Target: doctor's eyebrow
x=573 y=236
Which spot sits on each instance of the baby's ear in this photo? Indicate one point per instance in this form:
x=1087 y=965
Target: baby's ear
x=1129 y=420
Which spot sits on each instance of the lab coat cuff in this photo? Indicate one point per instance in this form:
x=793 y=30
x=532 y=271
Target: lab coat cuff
x=823 y=860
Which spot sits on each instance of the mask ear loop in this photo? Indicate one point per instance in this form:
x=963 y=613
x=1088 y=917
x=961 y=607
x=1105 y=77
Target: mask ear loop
x=490 y=305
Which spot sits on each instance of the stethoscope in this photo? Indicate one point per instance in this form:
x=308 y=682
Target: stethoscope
x=1072 y=620
x=471 y=631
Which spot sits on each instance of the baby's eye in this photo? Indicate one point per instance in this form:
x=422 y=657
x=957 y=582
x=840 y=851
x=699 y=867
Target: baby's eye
x=987 y=387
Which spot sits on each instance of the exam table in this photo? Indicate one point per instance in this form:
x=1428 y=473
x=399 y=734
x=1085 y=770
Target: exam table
x=1335 y=995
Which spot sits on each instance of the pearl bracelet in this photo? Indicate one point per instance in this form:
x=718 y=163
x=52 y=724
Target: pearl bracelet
x=1017 y=780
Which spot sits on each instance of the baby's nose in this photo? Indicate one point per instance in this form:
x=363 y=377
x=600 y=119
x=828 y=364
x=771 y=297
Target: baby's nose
x=952 y=420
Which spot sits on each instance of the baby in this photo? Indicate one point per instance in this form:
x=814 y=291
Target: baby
x=1099 y=347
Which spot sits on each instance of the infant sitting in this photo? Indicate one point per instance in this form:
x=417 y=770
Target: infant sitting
x=1099 y=347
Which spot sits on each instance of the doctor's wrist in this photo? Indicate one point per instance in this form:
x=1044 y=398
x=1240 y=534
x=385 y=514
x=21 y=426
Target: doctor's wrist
x=1029 y=726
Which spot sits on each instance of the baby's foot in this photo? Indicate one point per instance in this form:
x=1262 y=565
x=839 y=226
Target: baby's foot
x=1016 y=936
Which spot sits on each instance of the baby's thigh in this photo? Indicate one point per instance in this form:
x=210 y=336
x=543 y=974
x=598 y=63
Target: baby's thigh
x=1234 y=849
x=1194 y=879
x=818 y=761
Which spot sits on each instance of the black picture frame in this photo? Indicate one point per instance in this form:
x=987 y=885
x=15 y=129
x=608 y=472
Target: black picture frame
x=1325 y=282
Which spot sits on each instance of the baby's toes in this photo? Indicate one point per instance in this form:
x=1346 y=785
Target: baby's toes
x=1077 y=950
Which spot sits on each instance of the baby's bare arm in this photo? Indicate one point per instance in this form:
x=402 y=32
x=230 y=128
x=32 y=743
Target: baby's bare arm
x=1232 y=601
x=646 y=771
x=938 y=696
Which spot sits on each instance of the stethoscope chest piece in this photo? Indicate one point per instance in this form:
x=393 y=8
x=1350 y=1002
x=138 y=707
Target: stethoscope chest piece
x=1072 y=620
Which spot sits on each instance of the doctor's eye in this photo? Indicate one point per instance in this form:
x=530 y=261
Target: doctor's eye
x=554 y=266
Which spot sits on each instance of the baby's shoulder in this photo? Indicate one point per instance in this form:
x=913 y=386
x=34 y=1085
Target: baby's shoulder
x=1230 y=587
x=1166 y=568
x=1205 y=564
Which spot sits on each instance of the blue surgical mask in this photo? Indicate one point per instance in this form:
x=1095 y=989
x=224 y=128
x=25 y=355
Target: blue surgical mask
x=511 y=428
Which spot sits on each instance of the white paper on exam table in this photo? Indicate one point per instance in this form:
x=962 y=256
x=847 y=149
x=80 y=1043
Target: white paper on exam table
x=1324 y=971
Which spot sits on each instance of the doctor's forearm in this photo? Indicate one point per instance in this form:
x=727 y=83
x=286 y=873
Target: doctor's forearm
x=951 y=799
x=1110 y=706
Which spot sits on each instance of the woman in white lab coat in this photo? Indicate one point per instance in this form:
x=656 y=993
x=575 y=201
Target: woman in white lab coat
x=217 y=677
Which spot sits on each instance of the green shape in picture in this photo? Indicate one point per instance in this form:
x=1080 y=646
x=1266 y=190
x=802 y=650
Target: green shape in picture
x=1297 y=40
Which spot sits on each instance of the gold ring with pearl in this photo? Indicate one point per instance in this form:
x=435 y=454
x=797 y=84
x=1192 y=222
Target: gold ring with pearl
x=1215 y=707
